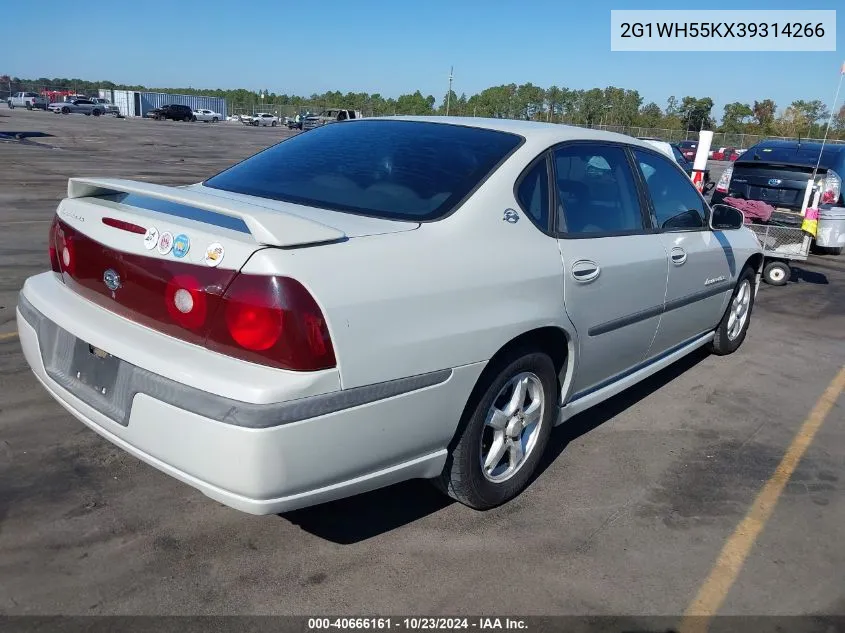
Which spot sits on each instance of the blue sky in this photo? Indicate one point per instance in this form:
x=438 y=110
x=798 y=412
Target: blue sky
x=393 y=47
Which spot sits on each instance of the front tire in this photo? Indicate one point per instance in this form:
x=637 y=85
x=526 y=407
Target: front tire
x=505 y=429
x=65 y=110
x=777 y=273
x=733 y=327
x=96 y=112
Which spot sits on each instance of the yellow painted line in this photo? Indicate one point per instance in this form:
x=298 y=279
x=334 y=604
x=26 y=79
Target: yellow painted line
x=8 y=336
x=715 y=589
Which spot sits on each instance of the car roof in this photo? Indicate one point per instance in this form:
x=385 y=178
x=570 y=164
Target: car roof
x=532 y=130
x=805 y=145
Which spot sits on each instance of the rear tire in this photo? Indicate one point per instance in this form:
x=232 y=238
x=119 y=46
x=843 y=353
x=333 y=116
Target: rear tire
x=731 y=331
x=777 y=273
x=502 y=436
x=215 y=120
x=29 y=106
x=96 y=112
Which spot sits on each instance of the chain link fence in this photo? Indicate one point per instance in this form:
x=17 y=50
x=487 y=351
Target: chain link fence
x=287 y=110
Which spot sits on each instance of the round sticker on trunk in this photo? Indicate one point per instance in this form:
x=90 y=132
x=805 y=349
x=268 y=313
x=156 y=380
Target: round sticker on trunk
x=214 y=254
x=165 y=243
x=181 y=245
x=151 y=238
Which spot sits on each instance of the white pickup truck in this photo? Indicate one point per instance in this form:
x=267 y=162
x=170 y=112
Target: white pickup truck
x=28 y=100
x=109 y=107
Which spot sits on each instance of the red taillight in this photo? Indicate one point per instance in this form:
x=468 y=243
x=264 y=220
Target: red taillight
x=252 y=316
x=53 y=241
x=273 y=321
x=268 y=320
x=65 y=249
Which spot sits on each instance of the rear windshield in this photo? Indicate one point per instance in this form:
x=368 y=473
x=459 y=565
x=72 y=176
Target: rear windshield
x=831 y=156
x=406 y=170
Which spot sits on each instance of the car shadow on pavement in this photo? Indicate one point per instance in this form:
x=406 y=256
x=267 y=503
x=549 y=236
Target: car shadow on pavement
x=364 y=516
x=808 y=276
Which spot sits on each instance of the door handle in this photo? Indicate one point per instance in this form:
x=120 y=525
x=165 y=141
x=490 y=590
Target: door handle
x=679 y=256
x=585 y=270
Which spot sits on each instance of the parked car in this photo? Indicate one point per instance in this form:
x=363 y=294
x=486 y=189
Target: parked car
x=209 y=116
x=674 y=151
x=78 y=106
x=173 y=112
x=249 y=369
x=687 y=165
x=776 y=172
x=329 y=116
x=688 y=149
x=263 y=119
x=28 y=100
x=109 y=107
x=726 y=153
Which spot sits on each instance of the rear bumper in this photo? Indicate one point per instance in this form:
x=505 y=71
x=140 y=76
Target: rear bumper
x=292 y=464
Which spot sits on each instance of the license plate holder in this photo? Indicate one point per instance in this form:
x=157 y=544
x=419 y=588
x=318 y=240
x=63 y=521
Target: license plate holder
x=94 y=368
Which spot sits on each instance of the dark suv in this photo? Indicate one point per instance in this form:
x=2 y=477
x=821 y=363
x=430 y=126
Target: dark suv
x=173 y=112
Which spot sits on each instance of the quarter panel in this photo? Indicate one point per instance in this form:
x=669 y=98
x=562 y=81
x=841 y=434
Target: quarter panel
x=451 y=293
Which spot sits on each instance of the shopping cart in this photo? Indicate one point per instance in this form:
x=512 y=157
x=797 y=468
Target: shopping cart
x=781 y=244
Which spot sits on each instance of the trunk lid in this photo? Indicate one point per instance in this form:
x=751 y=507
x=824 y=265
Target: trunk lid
x=131 y=246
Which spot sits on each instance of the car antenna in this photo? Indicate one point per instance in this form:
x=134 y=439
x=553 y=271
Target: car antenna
x=829 y=120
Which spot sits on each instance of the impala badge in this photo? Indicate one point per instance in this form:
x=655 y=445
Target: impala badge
x=710 y=282
x=111 y=279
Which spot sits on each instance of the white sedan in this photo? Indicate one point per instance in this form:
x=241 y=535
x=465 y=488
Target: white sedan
x=263 y=119
x=208 y=116
x=300 y=328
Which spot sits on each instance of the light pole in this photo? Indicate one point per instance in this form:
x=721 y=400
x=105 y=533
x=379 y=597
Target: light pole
x=449 y=94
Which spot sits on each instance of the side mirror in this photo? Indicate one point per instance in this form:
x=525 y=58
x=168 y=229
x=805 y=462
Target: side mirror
x=726 y=218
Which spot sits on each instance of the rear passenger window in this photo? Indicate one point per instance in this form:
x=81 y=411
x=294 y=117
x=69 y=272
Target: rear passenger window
x=677 y=205
x=596 y=194
x=533 y=194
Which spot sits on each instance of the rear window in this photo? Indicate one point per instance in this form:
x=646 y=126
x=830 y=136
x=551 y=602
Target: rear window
x=831 y=157
x=404 y=170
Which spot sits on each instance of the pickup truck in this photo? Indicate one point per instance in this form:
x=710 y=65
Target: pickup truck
x=110 y=108
x=28 y=100
x=329 y=116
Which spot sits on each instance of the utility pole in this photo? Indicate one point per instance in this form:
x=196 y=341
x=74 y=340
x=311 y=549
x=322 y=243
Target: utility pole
x=449 y=94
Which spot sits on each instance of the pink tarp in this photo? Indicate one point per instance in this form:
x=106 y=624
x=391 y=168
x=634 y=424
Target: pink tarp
x=753 y=209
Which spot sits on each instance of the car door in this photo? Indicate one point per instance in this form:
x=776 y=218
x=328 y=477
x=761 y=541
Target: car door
x=701 y=264
x=615 y=266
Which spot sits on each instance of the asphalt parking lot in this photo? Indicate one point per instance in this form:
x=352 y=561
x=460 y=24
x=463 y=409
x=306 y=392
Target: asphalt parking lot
x=637 y=499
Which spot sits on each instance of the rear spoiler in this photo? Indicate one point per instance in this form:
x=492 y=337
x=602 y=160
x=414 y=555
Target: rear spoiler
x=268 y=227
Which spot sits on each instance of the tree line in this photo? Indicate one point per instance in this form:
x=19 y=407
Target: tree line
x=610 y=106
